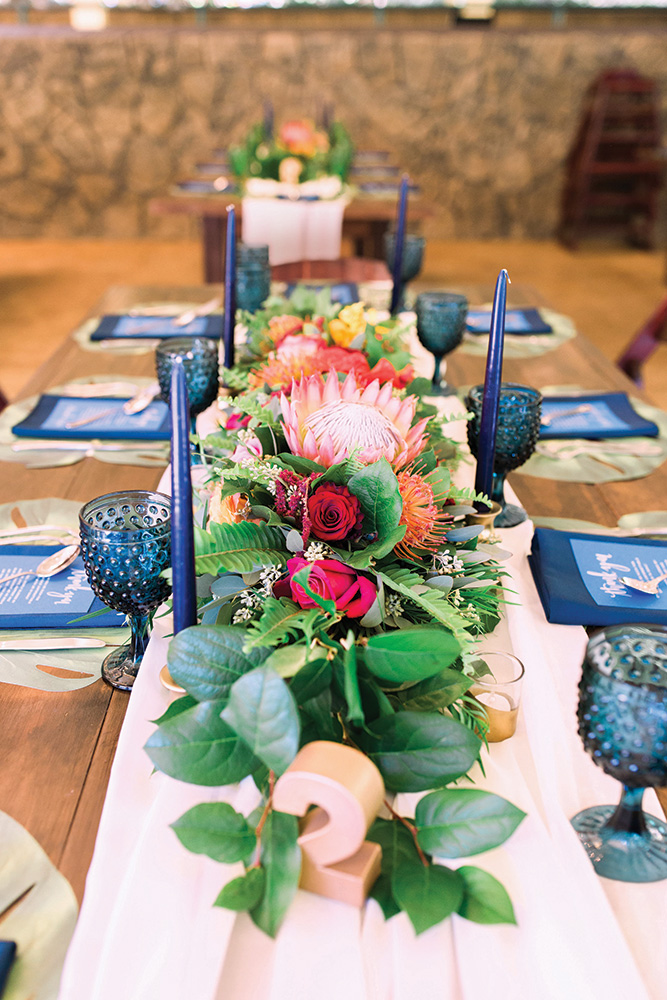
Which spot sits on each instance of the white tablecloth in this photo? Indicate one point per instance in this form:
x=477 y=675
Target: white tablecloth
x=295 y=230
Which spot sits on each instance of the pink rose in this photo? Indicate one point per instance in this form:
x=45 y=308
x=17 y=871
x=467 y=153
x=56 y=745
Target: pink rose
x=298 y=346
x=352 y=593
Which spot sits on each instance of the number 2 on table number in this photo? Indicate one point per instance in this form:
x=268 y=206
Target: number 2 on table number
x=347 y=789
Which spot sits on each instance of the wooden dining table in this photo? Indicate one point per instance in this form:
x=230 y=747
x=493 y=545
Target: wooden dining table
x=57 y=748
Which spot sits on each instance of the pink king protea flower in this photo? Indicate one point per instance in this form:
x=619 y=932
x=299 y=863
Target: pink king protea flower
x=327 y=421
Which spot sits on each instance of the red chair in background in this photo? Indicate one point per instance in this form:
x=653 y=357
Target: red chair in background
x=644 y=343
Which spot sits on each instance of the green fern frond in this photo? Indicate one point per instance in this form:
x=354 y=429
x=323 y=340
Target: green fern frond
x=410 y=584
x=238 y=548
x=281 y=619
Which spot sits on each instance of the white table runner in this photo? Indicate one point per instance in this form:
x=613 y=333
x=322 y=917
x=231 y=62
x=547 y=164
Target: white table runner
x=147 y=927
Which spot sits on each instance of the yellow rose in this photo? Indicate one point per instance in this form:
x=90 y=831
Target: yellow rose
x=348 y=325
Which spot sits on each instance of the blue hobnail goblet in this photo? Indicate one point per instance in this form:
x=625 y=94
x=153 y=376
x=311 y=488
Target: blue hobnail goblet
x=200 y=362
x=623 y=726
x=253 y=276
x=411 y=261
x=519 y=416
x=441 y=321
x=126 y=544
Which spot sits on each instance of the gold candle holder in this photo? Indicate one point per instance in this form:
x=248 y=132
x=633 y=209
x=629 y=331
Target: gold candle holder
x=486 y=518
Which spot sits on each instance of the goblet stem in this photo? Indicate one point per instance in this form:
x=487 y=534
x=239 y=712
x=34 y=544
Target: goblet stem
x=436 y=373
x=498 y=488
x=195 y=455
x=121 y=667
x=140 y=636
x=629 y=815
x=510 y=514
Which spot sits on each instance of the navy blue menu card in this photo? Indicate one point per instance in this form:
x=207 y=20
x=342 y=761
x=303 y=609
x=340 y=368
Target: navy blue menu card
x=598 y=415
x=579 y=577
x=47 y=602
x=517 y=321
x=64 y=417
x=118 y=327
x=7 y=956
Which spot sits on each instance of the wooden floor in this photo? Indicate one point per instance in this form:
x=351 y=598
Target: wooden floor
x=47 y=286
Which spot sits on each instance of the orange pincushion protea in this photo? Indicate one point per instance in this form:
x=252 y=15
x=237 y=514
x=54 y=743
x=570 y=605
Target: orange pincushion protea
x=327 y=421
x=426 y=522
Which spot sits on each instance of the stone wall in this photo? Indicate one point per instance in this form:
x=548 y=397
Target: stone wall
x=92 y=126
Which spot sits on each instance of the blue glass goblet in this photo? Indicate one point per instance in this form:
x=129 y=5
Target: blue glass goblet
x=441 y=321
x=518 y=427
x=125 y=544
x=201 y=365
x=411 y=261
x=623 y=726
x=253 y=276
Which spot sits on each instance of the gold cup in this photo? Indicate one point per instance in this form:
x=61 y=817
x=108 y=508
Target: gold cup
x=486 y=518
x=499 y=693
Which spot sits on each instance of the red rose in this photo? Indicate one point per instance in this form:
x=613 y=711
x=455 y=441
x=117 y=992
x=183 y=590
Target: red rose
x=353 y=594
x=333 y=512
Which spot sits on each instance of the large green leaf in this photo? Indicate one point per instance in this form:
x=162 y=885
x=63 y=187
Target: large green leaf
x=262 y=710
x=217 y=830
x=207 y=659
x=419 y=750
x=376 y=488
x=355 y=711
x=428 y=894
x=398 y=849
x=281 y=860
x=238 y=548
x=313 y=678
x=485 y=900
x=199 y=747
x=411 y=654
x=243 y=893
x=439 y=691
x=458 y=822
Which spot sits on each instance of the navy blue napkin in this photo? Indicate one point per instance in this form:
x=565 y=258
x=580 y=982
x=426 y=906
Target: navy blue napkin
x=48 y=602
x=52 y=414
x=578 y=577
x=521 y=322
x=610 y=416
x=7 y=956
x=119 y=327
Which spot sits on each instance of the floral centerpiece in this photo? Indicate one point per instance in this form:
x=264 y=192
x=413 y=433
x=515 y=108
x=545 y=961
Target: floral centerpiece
x=307 y=334
x=342 y=595
x=299 y=152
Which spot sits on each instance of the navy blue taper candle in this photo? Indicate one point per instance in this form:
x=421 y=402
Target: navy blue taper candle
x=230 y=288
x=488 y=425
x=398 y=245
x=184 y=594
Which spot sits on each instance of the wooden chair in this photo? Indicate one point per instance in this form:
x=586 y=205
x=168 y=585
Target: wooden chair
x=344 y=269
x=644 y=343
x=614 y=170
